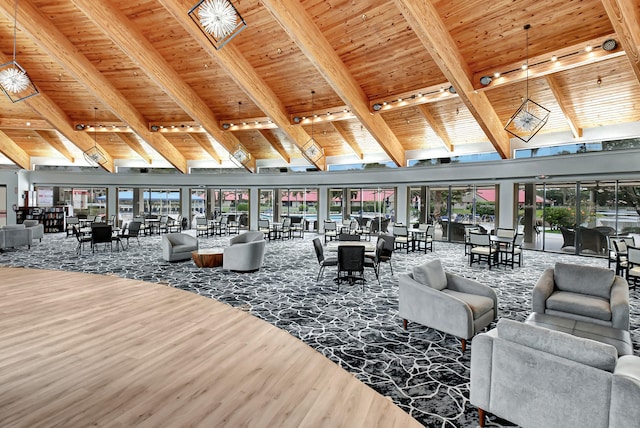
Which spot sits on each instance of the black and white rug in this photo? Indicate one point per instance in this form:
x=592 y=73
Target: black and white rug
x=422 y=370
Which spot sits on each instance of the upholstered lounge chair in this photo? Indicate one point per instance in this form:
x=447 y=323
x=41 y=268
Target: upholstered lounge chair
x=178 y=246
x=583 y=293
x=536 y=377
x=245 y=252
x=445 y=301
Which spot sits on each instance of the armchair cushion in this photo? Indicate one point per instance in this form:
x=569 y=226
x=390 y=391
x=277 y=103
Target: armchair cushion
x=583 y=304
x=583 y=279
x=431 y=274
x=479 y=305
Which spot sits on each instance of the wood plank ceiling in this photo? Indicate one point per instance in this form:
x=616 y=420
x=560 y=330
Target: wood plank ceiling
x=164 y=96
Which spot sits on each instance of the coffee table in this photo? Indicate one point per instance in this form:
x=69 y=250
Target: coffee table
x=208 y=257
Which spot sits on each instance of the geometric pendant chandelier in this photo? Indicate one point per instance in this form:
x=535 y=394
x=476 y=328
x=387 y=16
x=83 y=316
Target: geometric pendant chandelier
x=530 y=116
x=94 y=155
x=14 y=81
x=218 y=20
x=312 y=150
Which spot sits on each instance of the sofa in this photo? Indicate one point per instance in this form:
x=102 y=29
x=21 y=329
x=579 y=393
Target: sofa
x=178 y=246
x=444 y=301
x=15 y=235
x=37 y=229
x=245 y=252
x=536 y=377
x=583 y=293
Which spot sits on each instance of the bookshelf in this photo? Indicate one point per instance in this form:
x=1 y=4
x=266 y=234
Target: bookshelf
x=53 y=218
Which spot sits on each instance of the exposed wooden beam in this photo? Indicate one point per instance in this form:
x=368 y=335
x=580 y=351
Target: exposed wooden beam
x=43 y=106
x=436 y=125
x=31 y=124
x=245 y=76
x=347 y=139
x=14 y=152
x=295 y=20
x=127 y=36
x=54 y=141
x=276 y=144
x=43 y=32
x=205 y=143
x=625 y=18
x=132 y=141
x=566 y=108
x=567 y=58
x=426 y=23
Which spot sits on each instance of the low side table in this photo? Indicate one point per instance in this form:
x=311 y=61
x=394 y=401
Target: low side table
x=208 y=257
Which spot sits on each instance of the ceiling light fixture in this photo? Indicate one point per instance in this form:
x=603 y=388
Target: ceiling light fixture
x=485 y=80
x=94 y=155
x=14 y=80
x=530 y=116
x=219 y=20
x=609 y=45
x=241 y=156
x=312 y=150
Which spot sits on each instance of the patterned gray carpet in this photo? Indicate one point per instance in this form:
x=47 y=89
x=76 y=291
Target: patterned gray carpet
x=422 y=370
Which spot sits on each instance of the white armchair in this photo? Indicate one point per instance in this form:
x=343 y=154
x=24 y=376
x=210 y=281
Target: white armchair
x=245 y=252
x=450 y=303
x=178 y=246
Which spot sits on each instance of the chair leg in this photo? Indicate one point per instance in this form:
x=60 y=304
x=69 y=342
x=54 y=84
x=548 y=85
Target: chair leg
x=404 y=324
x=481 y=417
x=463 y=342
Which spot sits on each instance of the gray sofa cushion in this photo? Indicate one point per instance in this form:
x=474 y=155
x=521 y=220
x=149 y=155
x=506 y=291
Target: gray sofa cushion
x=431 y=274
x=564 y=345
x=580 y=304
x=583 y=279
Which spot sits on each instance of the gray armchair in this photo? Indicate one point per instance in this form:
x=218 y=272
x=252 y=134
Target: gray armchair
x=37 y=229
x=15 y=235
x=245 y=252
x=583 y=293
x=178 y=246
x=446 y=302
x=536 y=377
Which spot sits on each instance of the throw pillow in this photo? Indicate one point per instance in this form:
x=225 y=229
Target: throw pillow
x=431 y=274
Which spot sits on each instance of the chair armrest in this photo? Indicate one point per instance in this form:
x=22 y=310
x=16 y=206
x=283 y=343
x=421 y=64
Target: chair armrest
x=433 y=308
x=620 y=303
x=470 y=286
x=625 y=389
x=542 y=290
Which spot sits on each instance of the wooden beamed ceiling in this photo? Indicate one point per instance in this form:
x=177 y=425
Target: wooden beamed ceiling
x=140 y=80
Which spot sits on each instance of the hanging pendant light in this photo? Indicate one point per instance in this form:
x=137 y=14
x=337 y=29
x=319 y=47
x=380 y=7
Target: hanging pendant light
x=311 y=149
x=94 y=155
x=240 y=156
x=530 y=116
x=219 y=20
x=14 y=80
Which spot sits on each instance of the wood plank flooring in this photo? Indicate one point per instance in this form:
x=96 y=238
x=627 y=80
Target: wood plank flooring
x=81 y=350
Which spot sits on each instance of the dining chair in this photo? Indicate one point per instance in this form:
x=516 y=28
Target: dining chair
x=351 y=265
x=481 y=249
x=330 y=230
x=633 y=266
x=322 y=261
x=403 y=239
x=512 y=255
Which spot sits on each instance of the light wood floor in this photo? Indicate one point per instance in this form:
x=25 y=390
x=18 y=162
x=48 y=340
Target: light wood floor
x=80 y=350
